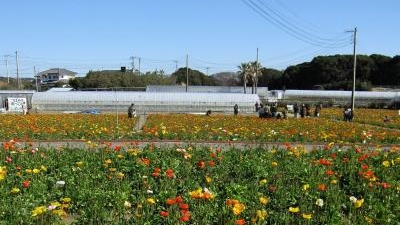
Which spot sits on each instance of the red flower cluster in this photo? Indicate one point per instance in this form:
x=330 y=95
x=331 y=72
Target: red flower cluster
x=168 y=173
x=183 y=208
x=324 y=162
x=156 y=172
x=145 y=161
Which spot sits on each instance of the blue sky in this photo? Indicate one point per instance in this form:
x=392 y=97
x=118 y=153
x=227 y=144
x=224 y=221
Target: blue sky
x=217 y=35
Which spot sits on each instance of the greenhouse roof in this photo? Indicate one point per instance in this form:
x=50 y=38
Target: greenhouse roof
x=338 y=94
x=207 y=89
x=133 y=96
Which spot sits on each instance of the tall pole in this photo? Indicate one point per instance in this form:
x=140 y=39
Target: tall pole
x=133 y=63
x=8 y=77
x=256 y=78
x=354 y=70
x=18 y=81
x=176 y=65
x=139 y=66
x=36 y=81
x=187 y=72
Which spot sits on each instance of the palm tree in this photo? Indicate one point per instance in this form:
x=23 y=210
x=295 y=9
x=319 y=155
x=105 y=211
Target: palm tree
x=255 y=71
x=245 y=73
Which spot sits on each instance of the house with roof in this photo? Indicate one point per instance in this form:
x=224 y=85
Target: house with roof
x=55 y=75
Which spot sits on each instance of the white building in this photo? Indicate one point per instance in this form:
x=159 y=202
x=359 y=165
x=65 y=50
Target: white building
x=55 y=75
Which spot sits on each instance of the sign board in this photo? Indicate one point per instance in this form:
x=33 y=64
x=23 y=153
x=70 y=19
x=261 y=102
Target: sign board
x=16 y=104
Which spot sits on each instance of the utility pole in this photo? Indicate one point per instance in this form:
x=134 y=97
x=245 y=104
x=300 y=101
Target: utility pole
x=133 y=63
x=207 y=70
x=256 y=78
x=176 y=65
x=36 y=81
x=187 y=72
x=354 y=70
x=18 y=81
x=8 y=77
x=139 y=66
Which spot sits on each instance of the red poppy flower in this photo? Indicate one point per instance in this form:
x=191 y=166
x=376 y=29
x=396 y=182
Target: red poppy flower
x=155 y=174
x=211 y=163
x=164 y=213
x=171 y=201
x=385 y=185
x=146 y=161
x=169 y=173
x=185 y=216
x=325 y=162
x=183 y=206
x=321 y=187
x=117 y=148
x=240 y=222
x=201 y=165
x=178 y=199
x=26 y=183
x=329 y=173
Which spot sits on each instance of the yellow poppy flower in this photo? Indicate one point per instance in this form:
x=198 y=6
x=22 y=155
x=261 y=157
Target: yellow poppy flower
x=294 y=209
x=261 y=214
x=263 y=181
x=264 y=200
x=359 y=203
x=14 y=190
x=238 y=208
x=386 y=163
x=150 y=201
x=38 y=210
x=43 y=168
x=66 y=200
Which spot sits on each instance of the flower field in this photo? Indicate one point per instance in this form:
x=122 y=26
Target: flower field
x=66 y=127
x=368 y=128
x=106 y=184
x=368 y=116
x=251 y=128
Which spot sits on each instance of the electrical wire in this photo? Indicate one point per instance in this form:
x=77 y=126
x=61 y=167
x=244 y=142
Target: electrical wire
x=288 y=27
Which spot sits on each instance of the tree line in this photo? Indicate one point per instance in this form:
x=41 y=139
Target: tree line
x=322 y=72
x=335 y=73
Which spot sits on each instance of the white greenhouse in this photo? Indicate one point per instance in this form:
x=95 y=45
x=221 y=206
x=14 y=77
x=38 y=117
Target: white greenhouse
x=145 y=102
x=362 y=98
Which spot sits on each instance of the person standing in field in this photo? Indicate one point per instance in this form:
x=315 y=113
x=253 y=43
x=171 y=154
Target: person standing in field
x=257 y=106
x=131 y=111
x=296 y=110
x=236 y=110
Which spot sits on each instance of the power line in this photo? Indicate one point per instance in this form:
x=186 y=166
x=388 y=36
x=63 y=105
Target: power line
x=290 y=28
